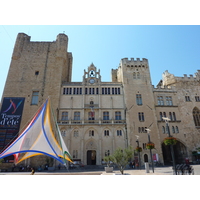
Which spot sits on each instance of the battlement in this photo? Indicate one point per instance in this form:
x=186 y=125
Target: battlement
x=135 y=62
x=170 y=78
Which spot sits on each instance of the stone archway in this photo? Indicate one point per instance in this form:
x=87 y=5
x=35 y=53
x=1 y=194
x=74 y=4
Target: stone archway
x=91 y=152
x=145 y=158
x=180 y=153
x=91 y=157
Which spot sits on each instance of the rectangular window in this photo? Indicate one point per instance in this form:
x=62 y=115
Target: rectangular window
x=85 y=90
x=113 y=90
x=105 y=115
x=106 y=133
x=91 y=133
x=118 y=90
x=169 y=101
x=64 y=116
x=77 y=90
x=160 y=100
x=108 y=90
x=74 y=91
x=119 y=132
x=64 y=89
x=107 y=152
x=102 y=90
x=118 y=115
x=197 y=98
x=141 y=116
x=67 y=90
x=76 y=115
x=187 y=98
x=97 y=90
x=76 y=133
x=70 y=90
x=105 y=90
x=91 y=115
x=90 y=90
x=35 y=96
x=139 y=99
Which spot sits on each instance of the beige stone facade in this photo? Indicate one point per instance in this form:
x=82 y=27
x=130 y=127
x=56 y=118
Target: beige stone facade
x=96 y=117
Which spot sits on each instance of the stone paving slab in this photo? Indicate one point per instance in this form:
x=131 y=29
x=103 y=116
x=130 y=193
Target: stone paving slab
x=157 y=171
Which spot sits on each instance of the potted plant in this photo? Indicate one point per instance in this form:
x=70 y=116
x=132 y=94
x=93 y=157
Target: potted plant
x=150 y=145
x=108 y=160
x=138 y=149
x=170 y=141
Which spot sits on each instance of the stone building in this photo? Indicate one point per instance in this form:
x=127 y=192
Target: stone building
x=96 y=117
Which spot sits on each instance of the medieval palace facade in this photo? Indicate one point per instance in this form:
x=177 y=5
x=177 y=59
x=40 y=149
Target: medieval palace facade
x=96 y=117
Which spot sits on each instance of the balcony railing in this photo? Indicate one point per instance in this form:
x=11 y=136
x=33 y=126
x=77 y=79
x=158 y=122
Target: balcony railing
x=66 y=122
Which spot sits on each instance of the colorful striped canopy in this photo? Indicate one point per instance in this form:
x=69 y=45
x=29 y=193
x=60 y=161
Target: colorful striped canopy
x=41 y=136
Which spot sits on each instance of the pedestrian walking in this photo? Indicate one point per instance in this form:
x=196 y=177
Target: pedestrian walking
x=32 y=171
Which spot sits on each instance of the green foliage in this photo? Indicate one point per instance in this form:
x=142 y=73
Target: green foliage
x=108 y=160
x=1 y=160
x=121 y=157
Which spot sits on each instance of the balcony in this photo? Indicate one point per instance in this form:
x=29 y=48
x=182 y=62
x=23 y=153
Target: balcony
x=88 y=106
x=85 y=122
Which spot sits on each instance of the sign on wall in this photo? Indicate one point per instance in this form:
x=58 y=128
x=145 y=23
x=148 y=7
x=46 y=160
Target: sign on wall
x=10 y=119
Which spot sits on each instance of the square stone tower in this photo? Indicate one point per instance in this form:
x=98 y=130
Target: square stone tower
x=37 y=71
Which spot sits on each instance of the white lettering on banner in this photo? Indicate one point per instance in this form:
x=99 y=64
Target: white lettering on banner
x=9 y=120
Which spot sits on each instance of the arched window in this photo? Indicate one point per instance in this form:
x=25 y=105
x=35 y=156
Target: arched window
x=173 y=129
x=177 y=131
x=161 y=116
x=174 y=116
x=170 y=116
x=145 y=158
x=163 y=129
x=196 y=116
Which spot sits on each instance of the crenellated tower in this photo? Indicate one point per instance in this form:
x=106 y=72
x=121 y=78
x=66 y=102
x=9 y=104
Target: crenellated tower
x=139 y=100
x=37 y=71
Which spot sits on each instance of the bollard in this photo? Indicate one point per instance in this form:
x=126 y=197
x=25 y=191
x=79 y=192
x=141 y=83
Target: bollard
x=147 y=167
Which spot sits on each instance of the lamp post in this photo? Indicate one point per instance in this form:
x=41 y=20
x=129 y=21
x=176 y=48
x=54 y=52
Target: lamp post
x=171 y=146
x=138 y=145
x=149 y=140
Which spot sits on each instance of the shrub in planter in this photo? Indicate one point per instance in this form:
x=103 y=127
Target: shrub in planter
x=170 y=141
x=150 y=145
x=108 y=160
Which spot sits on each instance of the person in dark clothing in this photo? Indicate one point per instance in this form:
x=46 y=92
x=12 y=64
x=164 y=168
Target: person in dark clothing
x=32 y=171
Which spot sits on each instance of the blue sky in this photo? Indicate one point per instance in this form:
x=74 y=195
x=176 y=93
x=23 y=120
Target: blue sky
x=172 y=48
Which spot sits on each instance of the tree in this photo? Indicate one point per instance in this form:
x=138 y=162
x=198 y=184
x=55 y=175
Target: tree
x=121 y=157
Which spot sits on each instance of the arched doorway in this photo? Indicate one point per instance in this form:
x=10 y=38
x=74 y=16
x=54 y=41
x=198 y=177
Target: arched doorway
x=180 y=153
x=91 y=157
x=145 y=158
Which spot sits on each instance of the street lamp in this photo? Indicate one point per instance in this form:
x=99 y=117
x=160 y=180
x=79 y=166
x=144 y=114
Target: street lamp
x=149 y=140
x=171 y=146
x=138 y=145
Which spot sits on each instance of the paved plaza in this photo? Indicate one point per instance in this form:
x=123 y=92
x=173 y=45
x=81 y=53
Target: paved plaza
x=157 y=171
